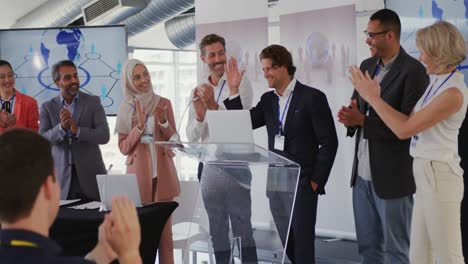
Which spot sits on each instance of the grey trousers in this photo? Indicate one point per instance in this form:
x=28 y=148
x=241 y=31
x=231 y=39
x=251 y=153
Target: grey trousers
x=226 y=195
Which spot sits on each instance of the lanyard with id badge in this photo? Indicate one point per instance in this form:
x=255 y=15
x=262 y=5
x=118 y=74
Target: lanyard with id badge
x=279 y=138
x=220 y=91
x=428 y=96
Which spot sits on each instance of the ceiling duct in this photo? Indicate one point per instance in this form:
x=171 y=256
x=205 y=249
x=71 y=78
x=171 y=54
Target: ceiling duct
x=156 y=12
x=107 y=12
x=53 y=13
x=181 y=30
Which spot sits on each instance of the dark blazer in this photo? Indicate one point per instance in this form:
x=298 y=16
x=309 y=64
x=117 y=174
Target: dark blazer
x=91 y=119
x=390 y=163
x=310 y=135
x=463 y=147
x=463 y=152
x=45 y=250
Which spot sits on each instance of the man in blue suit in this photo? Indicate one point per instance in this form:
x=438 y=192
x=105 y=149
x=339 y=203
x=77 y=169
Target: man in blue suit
x=300 y=127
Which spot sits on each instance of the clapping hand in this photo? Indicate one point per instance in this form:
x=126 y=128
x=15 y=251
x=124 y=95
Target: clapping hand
x=141 y=114
x=103 y=252
x=206 y=94
x=10 y=119
x=67 y=122
x=161 y=114
x=350 y=116
x=3 y=119
x=124 y=234
x=367 y=87
x=7 y=119
x=65 y=116
x=199 y=106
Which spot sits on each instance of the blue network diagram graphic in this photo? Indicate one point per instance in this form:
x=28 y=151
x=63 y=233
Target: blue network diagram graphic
x=97 y=75
x=425 y=12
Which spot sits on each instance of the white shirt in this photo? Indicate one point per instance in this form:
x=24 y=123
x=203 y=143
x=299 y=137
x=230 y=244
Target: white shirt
x=440 y=142
x=198 y=131
x=284 y=102
x=147 y=138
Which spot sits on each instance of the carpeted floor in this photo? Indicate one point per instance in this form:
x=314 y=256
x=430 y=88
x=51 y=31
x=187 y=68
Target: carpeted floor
x=328 y=251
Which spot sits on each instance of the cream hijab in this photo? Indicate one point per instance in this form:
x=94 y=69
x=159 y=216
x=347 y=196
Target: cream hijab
x=127 y=112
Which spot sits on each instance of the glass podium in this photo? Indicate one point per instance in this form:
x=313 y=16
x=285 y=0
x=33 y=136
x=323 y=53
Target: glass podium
x=243 y=203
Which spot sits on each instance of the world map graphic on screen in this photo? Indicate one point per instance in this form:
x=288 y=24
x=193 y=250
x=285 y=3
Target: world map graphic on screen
x=98 y=53
x=416 y=14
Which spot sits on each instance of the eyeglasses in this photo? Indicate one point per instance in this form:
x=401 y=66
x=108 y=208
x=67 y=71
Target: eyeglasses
x=373 y=34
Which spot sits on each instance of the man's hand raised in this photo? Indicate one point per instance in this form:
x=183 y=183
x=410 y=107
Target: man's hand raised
x=233 y=75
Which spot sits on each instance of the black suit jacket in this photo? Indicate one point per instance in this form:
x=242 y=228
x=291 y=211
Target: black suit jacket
x=390 y=163
x=310 y=135
x=463 y=150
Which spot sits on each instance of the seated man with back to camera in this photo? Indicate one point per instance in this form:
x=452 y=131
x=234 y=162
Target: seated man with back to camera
x=29 y=203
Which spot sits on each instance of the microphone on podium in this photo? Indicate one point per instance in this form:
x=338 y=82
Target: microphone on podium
x=110 y=167
x=104 y=193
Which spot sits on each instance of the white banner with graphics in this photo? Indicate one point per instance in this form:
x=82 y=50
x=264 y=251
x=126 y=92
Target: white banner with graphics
x=323 y=46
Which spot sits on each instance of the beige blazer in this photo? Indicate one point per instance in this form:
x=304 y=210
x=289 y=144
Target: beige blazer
x=139 y=159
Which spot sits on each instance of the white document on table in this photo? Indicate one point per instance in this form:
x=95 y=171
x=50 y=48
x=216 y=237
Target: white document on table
x=65 y=202
x=90 y=205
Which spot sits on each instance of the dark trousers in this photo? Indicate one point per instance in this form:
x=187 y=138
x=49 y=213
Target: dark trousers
x=463 y=152
x=464 y=212
x=464 y=223
x=300 y=247
x=75 y=191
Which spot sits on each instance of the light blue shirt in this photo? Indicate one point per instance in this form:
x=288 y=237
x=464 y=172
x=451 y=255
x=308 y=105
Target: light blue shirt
x=71 y=108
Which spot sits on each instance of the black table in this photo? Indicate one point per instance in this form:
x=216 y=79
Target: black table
x=77 y=230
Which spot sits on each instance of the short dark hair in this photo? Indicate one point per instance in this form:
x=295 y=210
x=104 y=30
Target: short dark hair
x=279 y=56
x=25 y=163
x=56 y=68
x=210 y=39
x=4 y=62
x=389 y=20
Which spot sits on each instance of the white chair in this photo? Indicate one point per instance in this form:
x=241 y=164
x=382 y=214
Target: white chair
x=189 y=221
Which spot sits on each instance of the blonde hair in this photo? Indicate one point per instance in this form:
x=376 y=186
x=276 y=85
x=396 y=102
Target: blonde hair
x=444 y=43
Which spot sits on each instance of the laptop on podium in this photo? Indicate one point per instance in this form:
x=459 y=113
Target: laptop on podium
x=235 y=128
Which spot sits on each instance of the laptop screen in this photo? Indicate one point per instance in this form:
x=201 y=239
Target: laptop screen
x=229 y=126
x=111 y=185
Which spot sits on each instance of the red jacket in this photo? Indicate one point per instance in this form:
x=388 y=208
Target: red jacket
x=26 y=112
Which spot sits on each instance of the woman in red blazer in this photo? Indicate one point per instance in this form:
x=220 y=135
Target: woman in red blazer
x=142 y=115
x=17 y=109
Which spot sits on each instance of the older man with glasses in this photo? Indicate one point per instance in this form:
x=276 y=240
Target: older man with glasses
x=382 y=177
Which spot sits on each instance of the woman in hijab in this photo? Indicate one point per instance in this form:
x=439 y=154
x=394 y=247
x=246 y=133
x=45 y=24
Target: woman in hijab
x=145 y=117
